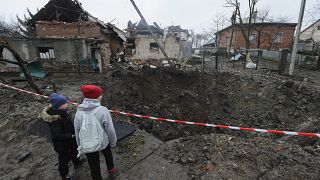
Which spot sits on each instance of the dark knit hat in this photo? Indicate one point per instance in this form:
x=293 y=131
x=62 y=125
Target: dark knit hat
x=57 y=100
x=91 y=91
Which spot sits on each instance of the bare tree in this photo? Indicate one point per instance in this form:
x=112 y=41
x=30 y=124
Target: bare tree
x=20 y=62
x=311 y=38
x=233 y=24
x=219 y=22
x=23 y=26
x=9 y=29
x=246 y=26
x=313 y=14
x=263 y=17
x=199 y=39
x=315 y=44
x=273 y=34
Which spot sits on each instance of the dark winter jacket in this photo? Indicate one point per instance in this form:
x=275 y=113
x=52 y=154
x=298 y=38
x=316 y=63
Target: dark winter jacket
x=61 y=129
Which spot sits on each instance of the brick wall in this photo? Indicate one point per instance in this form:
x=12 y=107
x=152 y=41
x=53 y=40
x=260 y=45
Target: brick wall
x=67 y=30
x=267 y=35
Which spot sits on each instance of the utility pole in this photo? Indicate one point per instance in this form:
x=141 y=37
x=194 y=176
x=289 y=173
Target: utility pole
x=150 y=30
x=203 y=58
x=294 y=50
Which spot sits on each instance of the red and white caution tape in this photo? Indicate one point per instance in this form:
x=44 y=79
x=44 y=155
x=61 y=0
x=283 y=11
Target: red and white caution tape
x=277 y=132
x=21 y=90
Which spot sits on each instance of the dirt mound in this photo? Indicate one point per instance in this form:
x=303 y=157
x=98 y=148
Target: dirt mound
x=221 y=98
x=226 y=157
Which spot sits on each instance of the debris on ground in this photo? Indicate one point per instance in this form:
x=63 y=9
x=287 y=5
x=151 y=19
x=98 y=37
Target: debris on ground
x=176 y=151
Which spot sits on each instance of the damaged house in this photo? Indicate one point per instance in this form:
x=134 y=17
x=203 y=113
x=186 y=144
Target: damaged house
x=140 y=44
x=66 y=38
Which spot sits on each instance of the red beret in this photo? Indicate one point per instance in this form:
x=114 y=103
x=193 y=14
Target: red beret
x=91 y=91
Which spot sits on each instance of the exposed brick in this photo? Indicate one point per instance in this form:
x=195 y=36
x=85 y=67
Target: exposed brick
x=56 y=29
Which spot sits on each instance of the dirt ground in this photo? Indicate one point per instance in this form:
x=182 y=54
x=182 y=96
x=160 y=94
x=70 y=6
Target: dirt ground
x=162 y=150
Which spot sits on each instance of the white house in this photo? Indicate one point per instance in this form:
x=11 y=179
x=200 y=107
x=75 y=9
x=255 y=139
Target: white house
x=311 y=36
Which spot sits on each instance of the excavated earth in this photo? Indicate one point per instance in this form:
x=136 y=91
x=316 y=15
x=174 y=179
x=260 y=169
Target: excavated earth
x=179 y=151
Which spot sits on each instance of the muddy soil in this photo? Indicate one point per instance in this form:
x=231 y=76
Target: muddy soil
x=221 y=156
x=220 y=98
x=205 y=153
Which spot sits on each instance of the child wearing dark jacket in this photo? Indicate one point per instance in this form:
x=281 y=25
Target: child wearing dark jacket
x=62 y=133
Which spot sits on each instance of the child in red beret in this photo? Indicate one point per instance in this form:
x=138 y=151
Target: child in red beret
x=92 y=105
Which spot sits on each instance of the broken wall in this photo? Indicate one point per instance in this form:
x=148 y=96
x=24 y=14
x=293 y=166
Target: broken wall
x=105 y=55
x=8 y=67
x=60 y=55
x=56 y=29
x=145 y=49
x=67 y=54
x=115 y=43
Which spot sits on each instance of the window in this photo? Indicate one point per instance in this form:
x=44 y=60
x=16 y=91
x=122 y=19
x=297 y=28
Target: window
x=278 y=37
x=318 y=28
x=46 y=52
x=227 y=41
x=154 y=46
x=252 y=38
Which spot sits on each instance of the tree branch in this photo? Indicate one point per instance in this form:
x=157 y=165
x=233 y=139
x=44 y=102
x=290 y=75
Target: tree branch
x=9 y=61
x=21 y=63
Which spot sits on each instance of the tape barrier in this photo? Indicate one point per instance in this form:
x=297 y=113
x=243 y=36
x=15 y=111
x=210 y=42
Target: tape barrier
x=277 y=132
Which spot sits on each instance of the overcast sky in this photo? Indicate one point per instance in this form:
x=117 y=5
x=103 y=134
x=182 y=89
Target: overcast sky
x=198 y=15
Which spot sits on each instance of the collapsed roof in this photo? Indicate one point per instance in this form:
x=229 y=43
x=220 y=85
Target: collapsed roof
x=60 y=10
x=142 y=28
x=70 y=11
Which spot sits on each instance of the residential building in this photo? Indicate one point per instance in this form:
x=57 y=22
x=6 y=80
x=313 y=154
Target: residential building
x=310 y=37
x=64 y=37
x=141 y=45
x=264 y=35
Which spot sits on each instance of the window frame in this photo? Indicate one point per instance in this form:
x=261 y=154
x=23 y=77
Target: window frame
x=254 y=41
x=46 y=53
x=276 y=36
x=153 y=46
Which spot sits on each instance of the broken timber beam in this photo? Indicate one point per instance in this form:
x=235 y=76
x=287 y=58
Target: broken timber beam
x=20 y=62
x=150 y=30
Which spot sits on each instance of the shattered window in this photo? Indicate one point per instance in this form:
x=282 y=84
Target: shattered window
x=46 y=53
x=154 y=46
